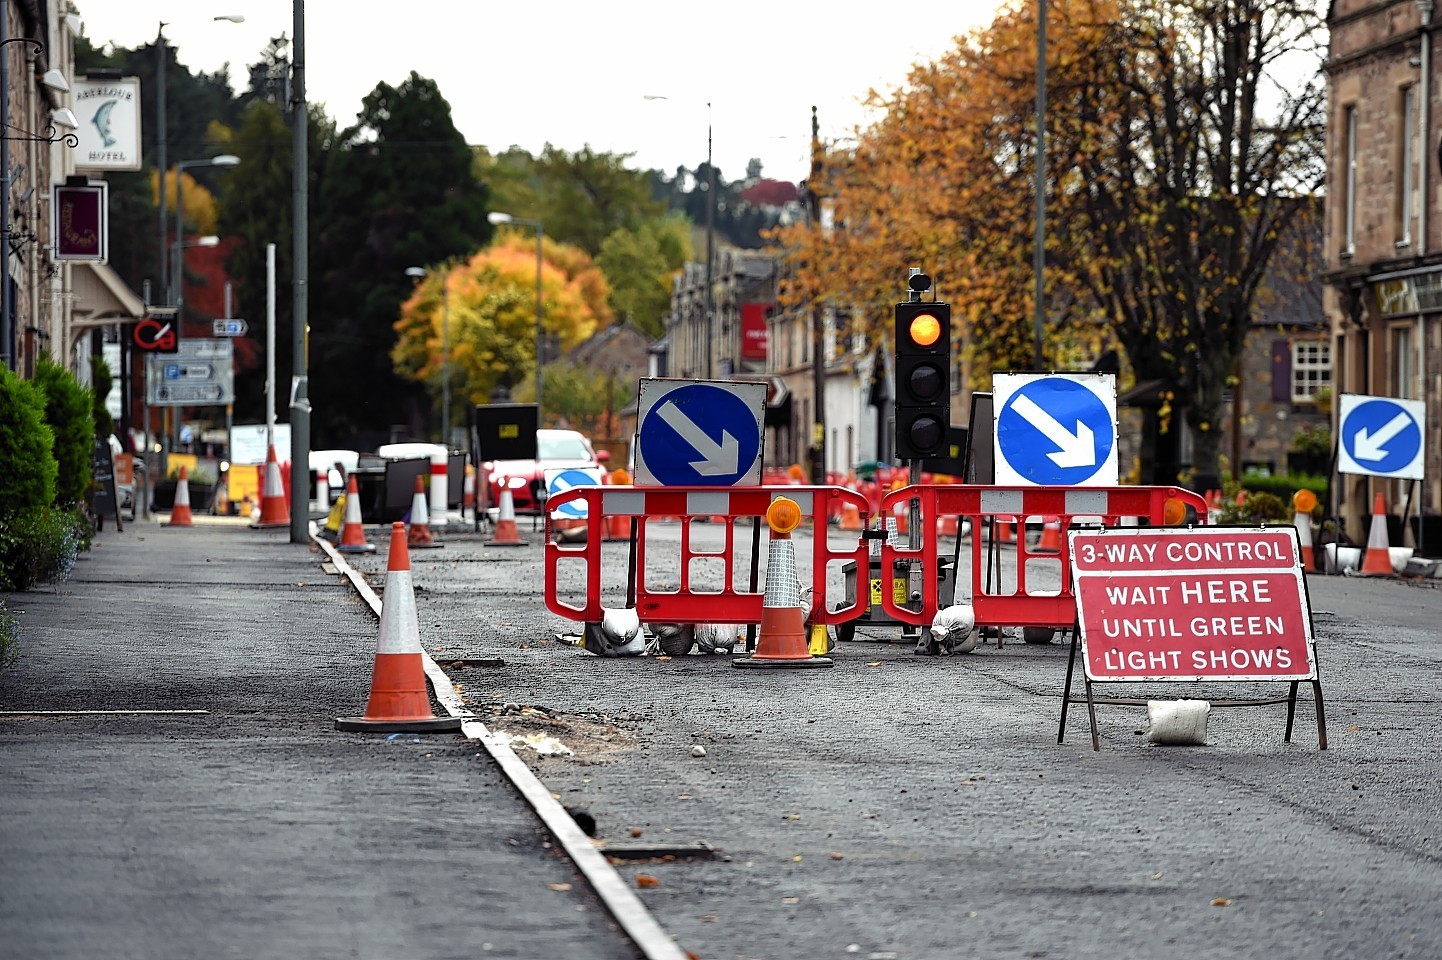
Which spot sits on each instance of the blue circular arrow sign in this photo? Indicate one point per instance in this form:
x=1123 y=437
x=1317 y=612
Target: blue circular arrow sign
x=1055 y=432
x=700 y=435
x=565 y=480
x=1381 y=436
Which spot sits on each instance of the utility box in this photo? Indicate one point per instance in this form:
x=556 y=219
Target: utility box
x=904 y=581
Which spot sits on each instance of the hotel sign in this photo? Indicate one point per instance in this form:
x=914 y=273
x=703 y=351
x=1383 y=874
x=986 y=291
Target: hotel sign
x=109 y=115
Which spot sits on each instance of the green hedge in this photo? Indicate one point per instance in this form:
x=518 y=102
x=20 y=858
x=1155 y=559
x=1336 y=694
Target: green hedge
x=27 y=447
x=1284 y=485
x=69 y=411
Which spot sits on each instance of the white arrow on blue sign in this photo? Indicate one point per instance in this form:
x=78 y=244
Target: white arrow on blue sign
x=559 y=481
x=699 y=433
x=1055 y=429
x=1380 y=436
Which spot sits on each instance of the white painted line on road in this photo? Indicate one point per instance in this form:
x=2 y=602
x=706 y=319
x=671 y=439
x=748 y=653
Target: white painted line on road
x=627 y=909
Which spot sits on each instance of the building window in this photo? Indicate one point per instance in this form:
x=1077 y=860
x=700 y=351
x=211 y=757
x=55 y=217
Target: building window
x=1404 y=369
x=1406 y=205
x=1349 y=200
x=1311 y=369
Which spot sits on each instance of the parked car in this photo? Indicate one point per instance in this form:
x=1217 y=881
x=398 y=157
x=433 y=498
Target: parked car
x=555 y=450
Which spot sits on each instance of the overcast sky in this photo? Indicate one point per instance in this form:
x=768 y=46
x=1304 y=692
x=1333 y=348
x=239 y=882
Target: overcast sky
x=569 y=73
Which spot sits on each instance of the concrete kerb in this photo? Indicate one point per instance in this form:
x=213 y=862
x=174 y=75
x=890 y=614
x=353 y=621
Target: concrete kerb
x=620 y=900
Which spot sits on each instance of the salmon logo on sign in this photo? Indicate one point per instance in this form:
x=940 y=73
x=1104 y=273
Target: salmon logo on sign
x=1210 y=603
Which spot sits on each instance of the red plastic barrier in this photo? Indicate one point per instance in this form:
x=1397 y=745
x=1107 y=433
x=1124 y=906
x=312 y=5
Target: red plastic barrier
x=1019 y=608
x=686 y=603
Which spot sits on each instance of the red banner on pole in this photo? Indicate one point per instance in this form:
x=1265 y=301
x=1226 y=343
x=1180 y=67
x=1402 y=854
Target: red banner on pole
x=1207 y=603
x=755 y=335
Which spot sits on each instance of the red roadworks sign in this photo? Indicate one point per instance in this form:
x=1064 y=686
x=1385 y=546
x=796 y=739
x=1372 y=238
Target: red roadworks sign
x=1205 y=603
x=1019 y=607
x=683 y=602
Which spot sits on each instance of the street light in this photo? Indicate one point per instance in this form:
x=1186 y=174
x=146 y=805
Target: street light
x=710 y=229
x=498 y=218
x=419 y=272
x=177 y=292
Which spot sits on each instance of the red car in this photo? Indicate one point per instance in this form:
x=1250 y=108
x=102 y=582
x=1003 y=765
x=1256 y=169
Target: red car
x=555 y=450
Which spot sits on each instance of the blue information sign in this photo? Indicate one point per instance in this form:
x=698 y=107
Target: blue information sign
x=563 y=480
x=699 y=433
x=1380 y=437
x=1056 y=430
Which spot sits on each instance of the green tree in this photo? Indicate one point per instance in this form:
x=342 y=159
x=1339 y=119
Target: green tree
x=257 y=211
x=397 y=191
x=639 y=264
x=197 y=106
x=581 y=198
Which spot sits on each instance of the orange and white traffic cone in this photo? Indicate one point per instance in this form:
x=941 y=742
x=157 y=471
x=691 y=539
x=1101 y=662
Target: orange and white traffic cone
x=468 y=489
x=1378 y=559
x=1303 y=502
x=506 y=534
x=273 y=510
x=850 y=516
x=399 y=701
x=352 y=534
x=1004 y=533
x=946 y=525
x=180 y=510
x=418 y=534
x=1050 y=541
x=781 y=641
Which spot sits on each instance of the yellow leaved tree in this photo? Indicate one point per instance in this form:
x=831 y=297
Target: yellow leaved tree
x=485 y=307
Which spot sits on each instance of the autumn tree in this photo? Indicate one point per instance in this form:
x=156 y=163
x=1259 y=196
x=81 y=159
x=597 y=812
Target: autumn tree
x=1180 y=135
x=487 y=311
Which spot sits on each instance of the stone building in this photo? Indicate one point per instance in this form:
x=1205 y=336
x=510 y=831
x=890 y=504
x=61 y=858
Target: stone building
x=1383 y=245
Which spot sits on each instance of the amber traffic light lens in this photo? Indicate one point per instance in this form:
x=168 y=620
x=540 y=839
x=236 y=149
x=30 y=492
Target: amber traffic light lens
x=925 y=330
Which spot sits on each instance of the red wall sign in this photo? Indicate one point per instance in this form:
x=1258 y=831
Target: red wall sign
x=755 y=335
x=1208 y=603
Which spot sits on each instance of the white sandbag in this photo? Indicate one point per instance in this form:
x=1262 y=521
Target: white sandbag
x=1178 y=722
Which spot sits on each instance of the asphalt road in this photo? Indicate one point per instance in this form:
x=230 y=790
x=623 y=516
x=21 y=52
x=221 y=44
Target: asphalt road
x=894 y=806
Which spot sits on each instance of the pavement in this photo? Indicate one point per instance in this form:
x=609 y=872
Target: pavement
x=894 y=807
x=251 y=828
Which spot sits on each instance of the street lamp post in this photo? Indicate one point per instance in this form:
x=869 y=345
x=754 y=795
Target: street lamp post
x=709 y=319
x=419 y=272
x=496 y=217
x=177 y=270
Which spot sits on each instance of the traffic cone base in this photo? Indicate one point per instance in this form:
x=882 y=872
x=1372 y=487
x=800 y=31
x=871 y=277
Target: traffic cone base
x=418 y=534
x=1378 y=560
x=180 y=509
x=352 y=534
x=506 y=534
x=273 y=509
x=399 y=699
x=781 y=643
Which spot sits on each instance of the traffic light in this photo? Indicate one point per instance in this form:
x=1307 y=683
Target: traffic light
x=923 y=389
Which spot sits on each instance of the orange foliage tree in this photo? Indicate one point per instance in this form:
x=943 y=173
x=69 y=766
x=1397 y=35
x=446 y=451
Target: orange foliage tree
x=1175 y=154
x=488 y=314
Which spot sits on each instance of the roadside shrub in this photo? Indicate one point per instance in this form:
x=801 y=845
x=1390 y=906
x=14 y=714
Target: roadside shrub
x=40 y=545
x=68 y=411
x=1284 y=485
x=1256 y=507
x=9 y=637
x=27 y=444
